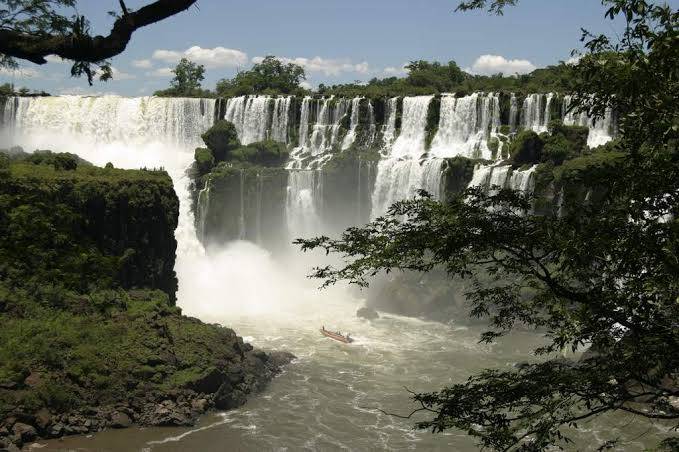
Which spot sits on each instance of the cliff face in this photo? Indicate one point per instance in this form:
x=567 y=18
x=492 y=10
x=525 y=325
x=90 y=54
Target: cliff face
x=89 y=227
x=90 y=336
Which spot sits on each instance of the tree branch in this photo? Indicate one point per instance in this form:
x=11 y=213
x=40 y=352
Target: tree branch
x=91 y=49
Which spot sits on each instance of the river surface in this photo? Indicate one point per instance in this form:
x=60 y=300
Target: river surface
x=329 y=398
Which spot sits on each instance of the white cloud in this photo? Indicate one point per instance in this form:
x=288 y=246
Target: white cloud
x=572 y=61
x=55 y=59
x=210 y=58
x=80 y=91
x=120 y=75
x=22 y=72
x=142 y=64
x=494 y=64
x=325 y=66
x=306 y=85
x=161 y=72
x=395 y=71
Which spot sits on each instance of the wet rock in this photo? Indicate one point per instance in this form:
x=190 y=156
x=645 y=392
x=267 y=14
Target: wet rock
x=208 y=383
x=6 y=384
x=199 y=405
x=120 y=420
x=367 y=313
x=43 y=419
x=33 y=380
x=56 y=430
x=25 y=432
x=228 y=398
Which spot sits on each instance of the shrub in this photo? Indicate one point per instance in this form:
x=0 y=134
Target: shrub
x=526 y=148
x=221 y=138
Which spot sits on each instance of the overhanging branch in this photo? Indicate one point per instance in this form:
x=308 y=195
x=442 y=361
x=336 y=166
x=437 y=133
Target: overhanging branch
x=91 y=49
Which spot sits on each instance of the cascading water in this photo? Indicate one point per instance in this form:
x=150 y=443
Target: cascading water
x=280 y=120
x=389 y=127
x=535 y=112
x=353 y=125
x=400 y=174
x=251 y=116
x=513 y=113
x=601 y=131
x=465 y=126
x=304 y=191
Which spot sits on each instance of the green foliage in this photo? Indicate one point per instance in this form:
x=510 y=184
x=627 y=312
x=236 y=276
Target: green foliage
x=44 y=206
x=186 y=81
x=204 y=160
x=433 y=78
x=270 y=76
x=526 y=148
x=264 y=153
x=221 y=139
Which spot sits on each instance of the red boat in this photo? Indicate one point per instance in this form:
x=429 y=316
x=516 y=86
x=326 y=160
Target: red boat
x=337 y=336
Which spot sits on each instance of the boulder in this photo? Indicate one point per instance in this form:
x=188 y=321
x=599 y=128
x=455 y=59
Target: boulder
x=25 y=432
x=367 y=313
x=120 y=420
x=43 y=418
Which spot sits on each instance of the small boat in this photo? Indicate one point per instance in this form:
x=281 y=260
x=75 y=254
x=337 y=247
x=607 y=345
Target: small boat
x=337 y=336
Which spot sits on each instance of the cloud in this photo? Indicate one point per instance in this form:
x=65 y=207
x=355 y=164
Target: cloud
x=22 y=72
x=210 y=58
x=306 y=85
x=80 y=91
x=495 y=64
x=325 y=66
x=56 y=59
x=120 y=75
x=395 y=71
x=161 y=72
x=142 y=64
x=572 y=61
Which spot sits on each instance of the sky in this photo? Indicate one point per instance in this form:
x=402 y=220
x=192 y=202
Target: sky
x=335 y=40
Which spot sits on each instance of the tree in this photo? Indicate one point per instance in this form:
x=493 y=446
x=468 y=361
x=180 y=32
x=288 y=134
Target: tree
x=603 y=274
x=270 y=76
x=187 y=76
x=31 y=30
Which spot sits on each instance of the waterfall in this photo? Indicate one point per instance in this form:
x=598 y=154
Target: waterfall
x=280 y=120
x=203 y=208
x=536 y=112
x=258 y=214
x=302 y=205
x=389 y=127
x=314 y=150
x=513 y=113
x=111 y=119
x=432 y=170
x=372 y=127
x=241 y=216
x=353 y=125
x=250 y=115
x=400 y=174
x=305 y=188
x=410 y=142
x=601 y=131
x=465 y=125
x=490 y=177
x=523 y=181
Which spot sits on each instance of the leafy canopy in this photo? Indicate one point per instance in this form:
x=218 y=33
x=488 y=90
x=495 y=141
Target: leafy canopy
x=603 y=273
x=270 y=76
x=32 y=30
